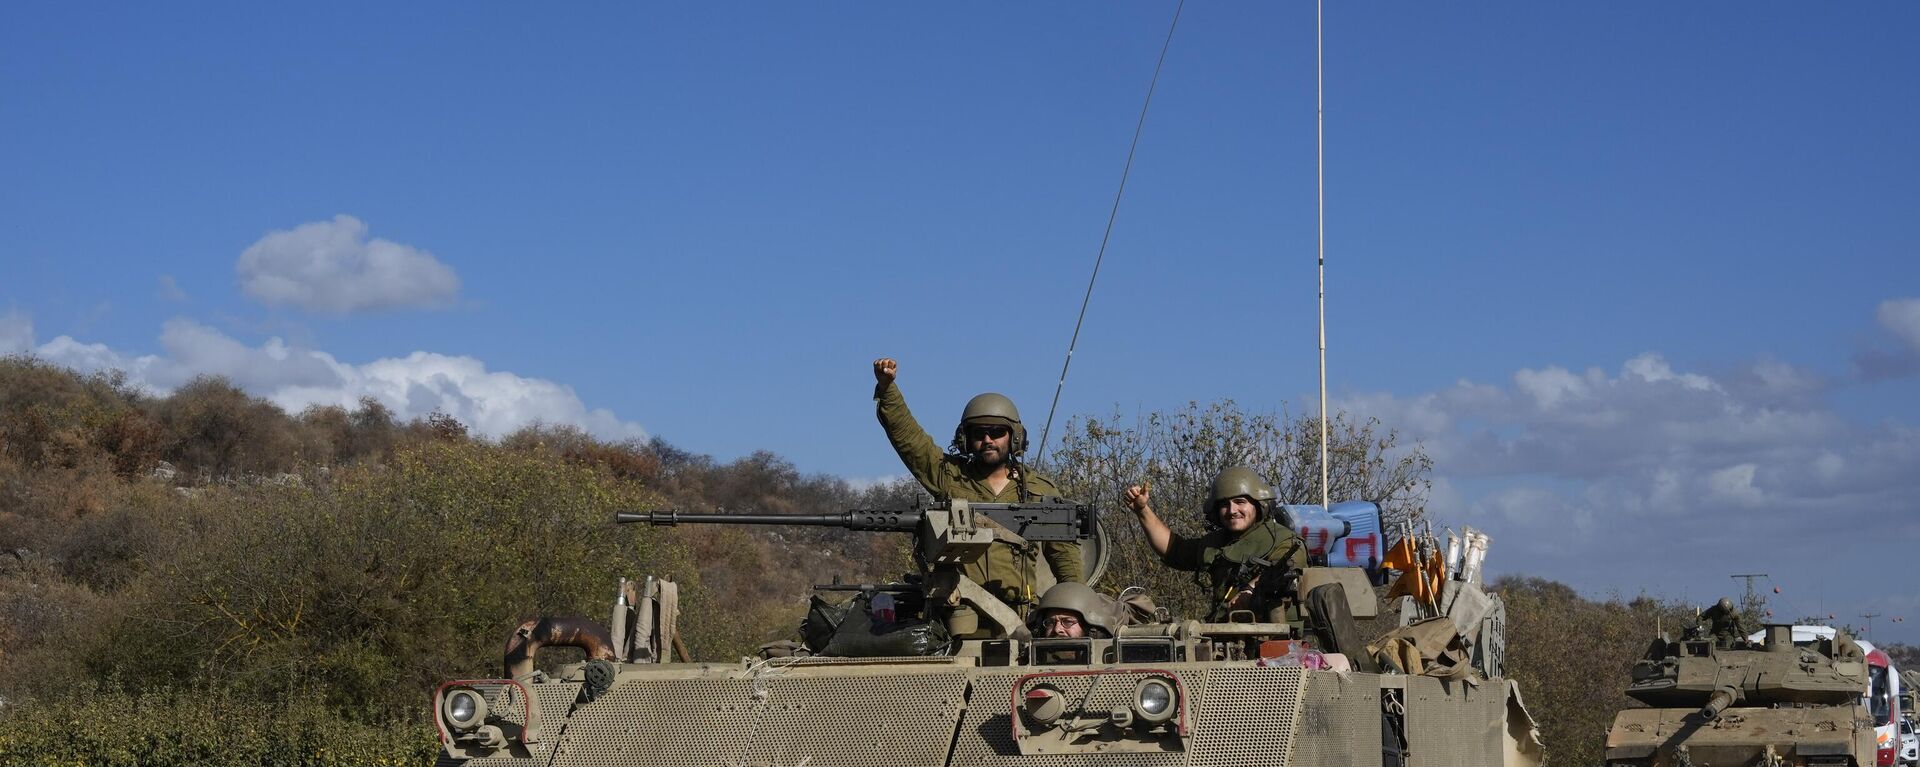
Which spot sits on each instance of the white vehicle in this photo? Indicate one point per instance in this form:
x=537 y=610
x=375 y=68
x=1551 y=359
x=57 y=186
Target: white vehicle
x=1909 y=743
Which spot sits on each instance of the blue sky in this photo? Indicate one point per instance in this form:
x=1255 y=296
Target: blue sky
x=1641 y=277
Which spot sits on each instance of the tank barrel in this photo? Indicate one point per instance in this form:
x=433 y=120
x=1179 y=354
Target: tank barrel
x=1722 y=698
x=884 y=521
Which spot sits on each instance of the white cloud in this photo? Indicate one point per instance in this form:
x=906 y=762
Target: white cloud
x=1901 y=316
x=1551 y=387
x=1653 y=368
x=1658 y=478
x=16 y=332
x=331 y=266
x=492 y=403
x=1734 y=484
x=195 y=349
x=1649 y=428
x=170 y=290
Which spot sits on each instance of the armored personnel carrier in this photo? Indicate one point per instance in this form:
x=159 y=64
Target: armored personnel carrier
x=1723 y=699
x=1153 y=691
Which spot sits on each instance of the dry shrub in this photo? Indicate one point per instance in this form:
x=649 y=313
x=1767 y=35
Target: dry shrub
x=212 y=428
x=1573 y=658
x=181 y=729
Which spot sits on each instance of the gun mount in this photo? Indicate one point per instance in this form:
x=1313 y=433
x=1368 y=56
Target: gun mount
x=949 y=534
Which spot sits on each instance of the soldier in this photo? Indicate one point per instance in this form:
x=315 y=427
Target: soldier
x=1724 y=622
x=982 y=464
x=1073 y=610
x=1241 y=530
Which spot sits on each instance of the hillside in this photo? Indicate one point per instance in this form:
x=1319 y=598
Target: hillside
x=201 y=578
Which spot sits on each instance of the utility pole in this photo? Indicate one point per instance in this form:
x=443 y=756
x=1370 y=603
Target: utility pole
x=1751 y=602
x=1869 y=616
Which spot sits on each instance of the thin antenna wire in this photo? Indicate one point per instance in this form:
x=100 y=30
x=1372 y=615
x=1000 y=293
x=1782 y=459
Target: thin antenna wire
x=1138 y=127
x=1320 y=159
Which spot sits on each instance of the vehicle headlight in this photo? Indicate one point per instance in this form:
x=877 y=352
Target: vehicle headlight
x=1045 y=705
x=464 y=708
x=1153 y=701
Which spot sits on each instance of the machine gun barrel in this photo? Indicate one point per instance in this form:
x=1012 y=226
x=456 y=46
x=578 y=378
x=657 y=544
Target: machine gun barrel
x=858 y=519
x=1050 y=520
x=891 y=588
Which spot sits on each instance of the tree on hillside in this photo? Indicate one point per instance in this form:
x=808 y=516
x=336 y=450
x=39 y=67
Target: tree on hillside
x=1178 y=454
x=1573 y=658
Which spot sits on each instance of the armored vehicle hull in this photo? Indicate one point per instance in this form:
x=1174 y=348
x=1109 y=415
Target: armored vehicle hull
x=1809 y=735
x=879 y=681
x=823 y=712
x=1727 y=700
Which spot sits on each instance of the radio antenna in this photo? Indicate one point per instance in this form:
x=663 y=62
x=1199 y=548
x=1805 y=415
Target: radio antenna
x=1138 y=127
x=1320 y=162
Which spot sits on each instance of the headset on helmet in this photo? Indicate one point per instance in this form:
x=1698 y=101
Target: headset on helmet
x=1233 y=483
x=990 y=408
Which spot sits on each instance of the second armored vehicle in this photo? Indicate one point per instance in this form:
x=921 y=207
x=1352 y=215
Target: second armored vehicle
x=1722 y=699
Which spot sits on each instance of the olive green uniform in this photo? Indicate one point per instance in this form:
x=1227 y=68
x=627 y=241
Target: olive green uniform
x=1219 y=553
x=1001 y=570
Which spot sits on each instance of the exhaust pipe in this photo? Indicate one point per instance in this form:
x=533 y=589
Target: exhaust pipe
x=554 y=632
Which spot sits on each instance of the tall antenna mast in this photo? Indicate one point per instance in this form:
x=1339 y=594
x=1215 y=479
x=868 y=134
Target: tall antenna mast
x=1320 y=160
x=1752 y=597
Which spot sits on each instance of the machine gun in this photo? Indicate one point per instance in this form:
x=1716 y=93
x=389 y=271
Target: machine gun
x=950 y=534
x=1052 y=519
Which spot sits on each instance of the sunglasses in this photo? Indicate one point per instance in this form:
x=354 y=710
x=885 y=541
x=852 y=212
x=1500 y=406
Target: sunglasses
x=988 y=432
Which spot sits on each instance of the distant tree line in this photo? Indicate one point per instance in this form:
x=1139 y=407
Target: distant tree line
x=205 y=554
x=203 y=579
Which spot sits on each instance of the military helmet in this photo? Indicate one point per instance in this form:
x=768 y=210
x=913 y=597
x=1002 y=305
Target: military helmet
x=1095 y=611
x=1725 y=604
x=991 y=408
x=1233 y=483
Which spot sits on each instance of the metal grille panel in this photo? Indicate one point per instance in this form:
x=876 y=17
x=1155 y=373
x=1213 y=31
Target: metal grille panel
x=986 y=735
x=1450 y=723
x=777 y=721
x=1339 y=723
x=1247 y=716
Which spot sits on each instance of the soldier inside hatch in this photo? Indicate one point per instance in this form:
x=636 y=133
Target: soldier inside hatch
x=980 y=464
x=1073 y=610
x=1242 y=533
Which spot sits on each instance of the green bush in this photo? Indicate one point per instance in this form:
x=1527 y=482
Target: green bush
x=369 y=587
x=169 y=729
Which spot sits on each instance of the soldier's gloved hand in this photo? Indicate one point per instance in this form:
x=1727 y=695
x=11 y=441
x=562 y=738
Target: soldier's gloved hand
x=884 y=370
x=1136 y=497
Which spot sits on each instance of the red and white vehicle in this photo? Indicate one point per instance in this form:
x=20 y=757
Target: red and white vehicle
x=1883 y=701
